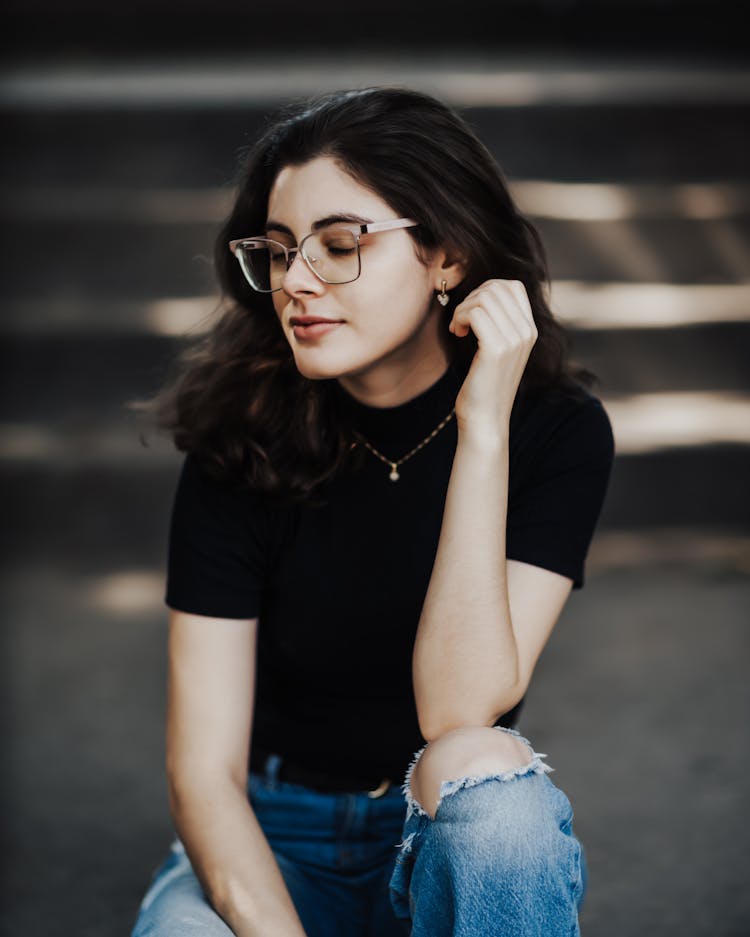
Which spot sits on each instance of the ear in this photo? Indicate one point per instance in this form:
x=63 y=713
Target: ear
x=450 y=266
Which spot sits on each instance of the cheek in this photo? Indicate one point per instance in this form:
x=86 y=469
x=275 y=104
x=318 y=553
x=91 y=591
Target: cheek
x=401 y=282
x=394 y=319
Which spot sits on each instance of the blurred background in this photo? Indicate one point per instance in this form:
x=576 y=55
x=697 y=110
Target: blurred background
x=622 y=126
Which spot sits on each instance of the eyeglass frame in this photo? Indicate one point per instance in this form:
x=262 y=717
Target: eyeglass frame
x=372 y=227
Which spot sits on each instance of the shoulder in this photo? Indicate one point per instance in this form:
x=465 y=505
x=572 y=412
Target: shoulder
x=568 y=425
x=204 y=496
x=201 y=476
x=207 y=501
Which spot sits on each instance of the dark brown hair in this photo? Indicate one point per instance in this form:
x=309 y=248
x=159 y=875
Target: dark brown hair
x=237 y=399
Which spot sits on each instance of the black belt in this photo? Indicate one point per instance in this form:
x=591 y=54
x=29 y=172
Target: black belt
x=320 y=780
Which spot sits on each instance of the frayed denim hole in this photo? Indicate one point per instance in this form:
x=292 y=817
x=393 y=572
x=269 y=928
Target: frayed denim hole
x=535 y=766
x=413 y=805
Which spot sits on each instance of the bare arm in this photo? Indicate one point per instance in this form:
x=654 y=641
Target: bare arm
x=211 y=687
x=484 y=621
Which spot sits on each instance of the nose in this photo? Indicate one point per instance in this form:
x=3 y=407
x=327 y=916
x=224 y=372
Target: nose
x=299 y=278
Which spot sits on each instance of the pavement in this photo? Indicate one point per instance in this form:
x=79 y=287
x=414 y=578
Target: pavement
x=641 y=697
x=640 y=701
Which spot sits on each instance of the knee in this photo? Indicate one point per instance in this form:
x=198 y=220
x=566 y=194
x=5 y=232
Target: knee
x=464 y=751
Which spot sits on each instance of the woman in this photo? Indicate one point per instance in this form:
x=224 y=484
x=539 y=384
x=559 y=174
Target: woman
x=392 y=478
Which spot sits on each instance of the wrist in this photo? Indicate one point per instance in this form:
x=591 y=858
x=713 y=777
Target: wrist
x=484 y=439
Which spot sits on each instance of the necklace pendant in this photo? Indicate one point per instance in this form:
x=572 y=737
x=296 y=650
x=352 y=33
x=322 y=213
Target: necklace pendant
x=394 y=476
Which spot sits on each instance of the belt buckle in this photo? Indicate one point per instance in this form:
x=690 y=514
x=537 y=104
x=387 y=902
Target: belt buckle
x=380 y=789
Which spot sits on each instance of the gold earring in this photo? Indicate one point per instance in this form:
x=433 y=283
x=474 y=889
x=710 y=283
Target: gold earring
x=442 y=295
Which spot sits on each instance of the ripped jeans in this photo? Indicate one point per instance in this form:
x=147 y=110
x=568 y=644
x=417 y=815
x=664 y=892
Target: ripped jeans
x=499 y=860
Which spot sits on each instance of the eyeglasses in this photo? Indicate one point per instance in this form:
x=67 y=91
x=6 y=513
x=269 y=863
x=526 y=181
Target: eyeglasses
x=332 y=253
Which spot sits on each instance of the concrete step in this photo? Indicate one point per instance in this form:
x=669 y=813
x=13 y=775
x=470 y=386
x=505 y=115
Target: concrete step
x=106 y=515
x=642 y=423
x=646 y=360
x=580 y=305
x=182 y=146
x=538 y=198
x=106 y=260
x=86 y=379
x=137 y=590
x=492 y=75
x=140 y=260
x=669 y=28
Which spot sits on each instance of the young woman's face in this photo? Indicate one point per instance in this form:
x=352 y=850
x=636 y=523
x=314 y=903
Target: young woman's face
x=389 y=320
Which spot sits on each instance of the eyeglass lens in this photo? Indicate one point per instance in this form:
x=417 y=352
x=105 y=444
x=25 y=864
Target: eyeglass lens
x=331 y=253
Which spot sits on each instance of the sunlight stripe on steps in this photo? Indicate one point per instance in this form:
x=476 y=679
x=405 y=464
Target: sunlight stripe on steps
x=538 y=198
x=586 y=305
x=578 y=304
x=597 y=201
x=132 y=592
x=462 y=82
x=653 y=422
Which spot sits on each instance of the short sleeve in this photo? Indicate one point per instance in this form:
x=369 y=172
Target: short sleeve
x=216 y=553
x=553 y=514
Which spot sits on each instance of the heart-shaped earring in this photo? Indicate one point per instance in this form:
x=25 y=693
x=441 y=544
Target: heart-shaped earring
x=442 y=295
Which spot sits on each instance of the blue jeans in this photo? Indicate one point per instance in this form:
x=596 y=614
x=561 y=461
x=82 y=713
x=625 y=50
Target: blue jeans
x=499 y=859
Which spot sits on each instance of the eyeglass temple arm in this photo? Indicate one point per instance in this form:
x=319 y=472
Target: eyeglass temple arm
x=372 y=228
x=233 y=245
x=376 y=226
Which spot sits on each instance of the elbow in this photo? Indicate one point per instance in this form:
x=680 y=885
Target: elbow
x=178 y=799
x=510 y=699
x=437 y=722
x=175 y=778
x=188 y=792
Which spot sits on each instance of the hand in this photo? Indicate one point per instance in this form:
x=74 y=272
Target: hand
x=498 y=312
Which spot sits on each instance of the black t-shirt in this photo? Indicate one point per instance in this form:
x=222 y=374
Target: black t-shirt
x=338 y=588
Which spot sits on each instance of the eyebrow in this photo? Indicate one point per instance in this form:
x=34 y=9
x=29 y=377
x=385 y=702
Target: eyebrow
x=337 y=218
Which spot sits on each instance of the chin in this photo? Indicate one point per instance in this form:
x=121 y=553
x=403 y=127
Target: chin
x=317 y=362
x=317 y=371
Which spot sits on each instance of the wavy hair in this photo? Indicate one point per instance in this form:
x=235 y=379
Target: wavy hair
x=236 y=399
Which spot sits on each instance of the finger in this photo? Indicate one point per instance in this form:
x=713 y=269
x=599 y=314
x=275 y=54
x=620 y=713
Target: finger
x=502 y=319
x=492 y=341
x=500 y=303
x=525 y=303
x=489 y=288
x=514 y=299
x=509 y=316
x=487 y=307
x=515 y=286
x=492 y=327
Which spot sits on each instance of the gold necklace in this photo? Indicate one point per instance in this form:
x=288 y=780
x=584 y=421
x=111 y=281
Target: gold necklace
x=394 y=475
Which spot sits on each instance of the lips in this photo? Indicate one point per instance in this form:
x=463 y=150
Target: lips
x=311 y=320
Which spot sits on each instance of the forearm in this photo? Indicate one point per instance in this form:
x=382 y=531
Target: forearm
x=465 y=662
x=232 y=858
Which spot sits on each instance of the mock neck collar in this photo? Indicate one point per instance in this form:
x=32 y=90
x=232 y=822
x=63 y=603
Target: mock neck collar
x=409 y=422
